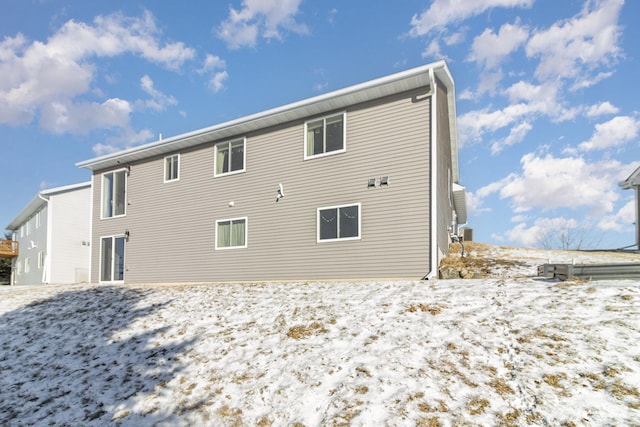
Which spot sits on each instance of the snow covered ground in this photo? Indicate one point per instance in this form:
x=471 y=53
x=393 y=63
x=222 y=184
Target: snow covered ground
x=507 y=350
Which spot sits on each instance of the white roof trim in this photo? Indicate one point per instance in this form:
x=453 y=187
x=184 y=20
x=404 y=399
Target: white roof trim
x=394 y=83
x=460 y=202
x=632 y=181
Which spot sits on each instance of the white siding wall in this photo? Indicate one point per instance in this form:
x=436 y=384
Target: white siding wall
x=69 y=258
x=30 y=243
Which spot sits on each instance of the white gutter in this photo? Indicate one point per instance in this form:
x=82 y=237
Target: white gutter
x=46 y=268
x=433 y=134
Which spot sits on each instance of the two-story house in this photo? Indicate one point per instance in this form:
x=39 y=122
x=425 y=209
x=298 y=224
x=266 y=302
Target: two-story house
x=53 y=234
x=362 y=182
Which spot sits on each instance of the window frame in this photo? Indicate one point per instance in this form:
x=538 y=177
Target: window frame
x=176 y=168
x=27 y=265
x=324 y=119
x=231 y=220
x=339 y=239
x=229 y=143
x=124 y=171
x=41 y=259
x=114 y=267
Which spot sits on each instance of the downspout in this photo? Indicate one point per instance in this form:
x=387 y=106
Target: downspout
x=433 y=136
x=46 y=274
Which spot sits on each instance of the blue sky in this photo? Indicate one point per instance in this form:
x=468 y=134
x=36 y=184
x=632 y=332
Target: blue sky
x=547 y=92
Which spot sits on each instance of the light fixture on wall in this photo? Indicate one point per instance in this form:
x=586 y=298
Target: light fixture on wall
x=126 y=235
x=371 y=183
x=384 y=180
x=280 y=194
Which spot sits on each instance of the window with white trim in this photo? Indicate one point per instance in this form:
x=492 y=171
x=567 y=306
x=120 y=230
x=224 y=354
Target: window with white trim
x=112 y=251
x=38 y=219
x=40 y=260
x=339 y=223
x=231 y=233
x=172 y=168
x=27 y=265
x=325 y=136
x=229 y=157
x=19 y=268
x=114 y=193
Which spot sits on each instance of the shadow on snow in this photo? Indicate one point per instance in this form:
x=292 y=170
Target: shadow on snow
x=62 y=361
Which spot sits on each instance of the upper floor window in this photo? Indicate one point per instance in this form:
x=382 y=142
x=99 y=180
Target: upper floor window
x=325 y=136
x=38 y=219
x=172 y=168
x=339 y=223
x=114 y=193
x=230 y=157
x=40 y=260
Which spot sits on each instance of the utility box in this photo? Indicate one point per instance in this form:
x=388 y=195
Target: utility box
x=467 y=234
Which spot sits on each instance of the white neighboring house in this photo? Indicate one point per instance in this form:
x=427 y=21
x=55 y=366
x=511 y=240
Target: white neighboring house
x=53 y=233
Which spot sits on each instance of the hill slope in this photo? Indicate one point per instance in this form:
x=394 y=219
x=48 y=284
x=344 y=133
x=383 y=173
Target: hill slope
x=495 y=351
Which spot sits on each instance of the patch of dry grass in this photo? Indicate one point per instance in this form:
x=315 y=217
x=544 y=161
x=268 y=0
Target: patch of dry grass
x=477 y=405
x=305 y=331
x=476 y=259
x=433 y=309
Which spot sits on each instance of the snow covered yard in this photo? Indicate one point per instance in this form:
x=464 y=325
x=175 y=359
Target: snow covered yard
x=495 y=351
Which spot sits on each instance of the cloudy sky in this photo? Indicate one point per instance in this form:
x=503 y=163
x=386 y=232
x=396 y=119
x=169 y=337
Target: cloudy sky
x=547 y=92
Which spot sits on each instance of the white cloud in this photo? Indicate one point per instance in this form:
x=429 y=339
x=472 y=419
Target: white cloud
x=47 y=79
x=58 y=117
x=601 y=109
x=489 y=48
x=213 y=64
x=587 y=80
x=615 y=132
x=527 y=102
x=333 y=13
x=569 y=182
x=540 y=231
x=475 y=200
x=216 y=83
x=442 y=13
x=576 y=46
x=128 y=138
x=260 y=18
x=516 y=135
x=621 y=220
x=433 y=50
x=159 y=101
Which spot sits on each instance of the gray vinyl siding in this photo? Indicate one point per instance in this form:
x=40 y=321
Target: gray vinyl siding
x=172 y=225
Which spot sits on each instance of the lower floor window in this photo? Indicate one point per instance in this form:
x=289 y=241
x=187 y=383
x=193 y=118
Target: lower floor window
x=112 y=259
x=231 y=233
x=339 y=222
x=40 y=259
